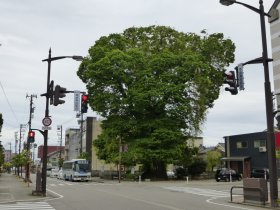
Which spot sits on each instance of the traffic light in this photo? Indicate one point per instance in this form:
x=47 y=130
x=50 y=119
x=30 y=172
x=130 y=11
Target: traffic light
x=84 y=103
x=31 y=137
x=231 y=81
x=59 y=92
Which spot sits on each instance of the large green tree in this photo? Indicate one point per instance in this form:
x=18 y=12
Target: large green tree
x=153 y=85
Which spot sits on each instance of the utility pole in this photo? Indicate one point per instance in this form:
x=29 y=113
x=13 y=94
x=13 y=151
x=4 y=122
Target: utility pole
x=31 y=112
x=10 y=151
x=120 y=159
x=22 y=127
x=16 y=142
x=10 y=159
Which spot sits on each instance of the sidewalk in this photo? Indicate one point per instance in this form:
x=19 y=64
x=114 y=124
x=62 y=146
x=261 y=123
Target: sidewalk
x=13 y=188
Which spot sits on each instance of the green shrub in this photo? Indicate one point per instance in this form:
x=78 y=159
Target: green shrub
x=197 y=167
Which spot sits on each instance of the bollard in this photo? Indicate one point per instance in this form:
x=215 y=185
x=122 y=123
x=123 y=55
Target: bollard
x=139 y=179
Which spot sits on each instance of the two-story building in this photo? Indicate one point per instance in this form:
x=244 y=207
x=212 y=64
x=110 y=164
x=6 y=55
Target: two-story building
x=245 y=152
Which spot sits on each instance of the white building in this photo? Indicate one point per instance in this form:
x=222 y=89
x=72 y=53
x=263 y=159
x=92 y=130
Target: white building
x=72 y=143
x=275 y=45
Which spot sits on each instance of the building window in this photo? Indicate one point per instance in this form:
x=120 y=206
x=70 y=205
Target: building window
x=259 y=143
x=241 y=144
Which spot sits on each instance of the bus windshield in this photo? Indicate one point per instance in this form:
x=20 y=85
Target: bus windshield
x=82 y=167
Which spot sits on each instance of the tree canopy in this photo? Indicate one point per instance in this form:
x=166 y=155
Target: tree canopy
x=153 y=86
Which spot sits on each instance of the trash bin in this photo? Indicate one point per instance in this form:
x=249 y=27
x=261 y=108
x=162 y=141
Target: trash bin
x=255 y=189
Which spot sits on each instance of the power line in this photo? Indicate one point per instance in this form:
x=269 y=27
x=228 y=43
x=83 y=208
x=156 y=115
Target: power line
x=12 y=110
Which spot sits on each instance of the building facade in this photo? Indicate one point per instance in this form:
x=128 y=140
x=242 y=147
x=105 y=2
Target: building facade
x=72 y=143
x=54 y=152
x=275 y=45
x=245 y=152
x=8 y=155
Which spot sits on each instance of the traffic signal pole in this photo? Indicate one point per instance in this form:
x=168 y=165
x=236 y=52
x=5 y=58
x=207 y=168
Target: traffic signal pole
x=268 y=100
x=45 y=133
x=84 y=108
x=81 y=131
x=48 y=95
x=27 y=174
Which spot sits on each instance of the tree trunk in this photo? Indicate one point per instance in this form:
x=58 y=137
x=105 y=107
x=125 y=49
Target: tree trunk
x=159 y=170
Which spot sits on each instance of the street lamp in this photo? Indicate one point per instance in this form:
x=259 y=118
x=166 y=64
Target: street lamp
x=45 y=133
x=268 y=101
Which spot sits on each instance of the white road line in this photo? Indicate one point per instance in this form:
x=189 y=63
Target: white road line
x=226 y=205
x=58 y=195
x=199 y=191
x=213 y=194
x=26 y=206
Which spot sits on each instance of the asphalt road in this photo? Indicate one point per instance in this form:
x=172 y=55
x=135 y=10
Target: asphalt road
x=170 y=195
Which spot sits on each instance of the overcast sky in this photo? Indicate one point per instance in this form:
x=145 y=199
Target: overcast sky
x=70 y=27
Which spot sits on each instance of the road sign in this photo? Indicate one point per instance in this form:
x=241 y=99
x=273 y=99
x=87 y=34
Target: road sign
x=77 y=100
x=47 y=121
x=46 y=128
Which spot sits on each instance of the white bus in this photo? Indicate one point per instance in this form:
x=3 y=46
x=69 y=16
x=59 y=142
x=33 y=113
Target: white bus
x=76 y=170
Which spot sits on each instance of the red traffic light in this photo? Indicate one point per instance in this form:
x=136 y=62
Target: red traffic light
x=232 y=82
x=229 y=75
x=31 y=134
x=84 y=98
x=84 y=103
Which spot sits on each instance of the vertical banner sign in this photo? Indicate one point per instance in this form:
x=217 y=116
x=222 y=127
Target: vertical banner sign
x=240 y=76
x=77 y=102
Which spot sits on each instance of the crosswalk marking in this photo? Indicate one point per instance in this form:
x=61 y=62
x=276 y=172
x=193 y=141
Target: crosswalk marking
x=199 y=191
x=26 y=206
x=60 y=184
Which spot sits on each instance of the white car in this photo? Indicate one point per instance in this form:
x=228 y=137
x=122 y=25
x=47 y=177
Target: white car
x=170 y=174
x=49 y=171
x=54 y=172
x=60 y=174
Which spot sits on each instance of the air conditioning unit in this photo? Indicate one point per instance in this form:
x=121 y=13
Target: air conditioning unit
x=262 y=149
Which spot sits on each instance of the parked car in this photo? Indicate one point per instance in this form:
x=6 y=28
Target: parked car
x=54 y=172
x=60 y=174
x=260 y=173
x=170 y=174
x=227 y=174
